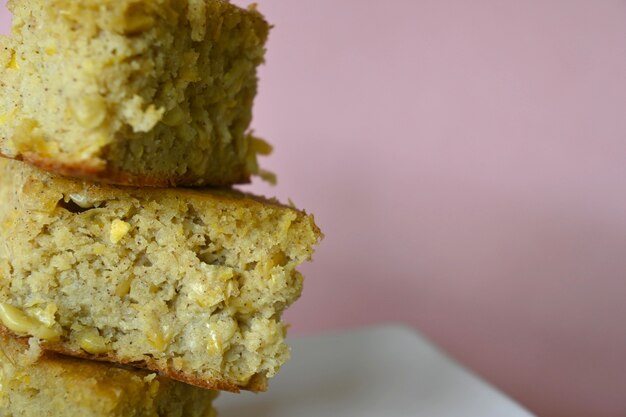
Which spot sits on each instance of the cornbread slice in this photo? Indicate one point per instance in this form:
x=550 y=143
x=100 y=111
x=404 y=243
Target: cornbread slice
x=185 y=282
x=135 y=92
x=49 y=385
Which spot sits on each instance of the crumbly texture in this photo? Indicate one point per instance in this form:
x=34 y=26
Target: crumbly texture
x=191 y=283
x=135 y=92
x=34 y=386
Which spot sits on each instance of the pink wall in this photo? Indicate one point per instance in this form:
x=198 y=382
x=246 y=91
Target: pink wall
x=467 y=161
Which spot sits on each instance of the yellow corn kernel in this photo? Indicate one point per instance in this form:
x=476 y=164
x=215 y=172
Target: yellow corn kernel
x=13 y=64
x=159 y=338
x=17 y=321
x=214 y=346
x=45 y=316
x=99 y=249
x=232 y=290
x=228 y=329
x=91 y=342
x=123 y=288
x=136 y=24
x=136 y=20
x=119 y=229
x=82 y=201
x=50 y=51
x=280 y=259
x=90 y=111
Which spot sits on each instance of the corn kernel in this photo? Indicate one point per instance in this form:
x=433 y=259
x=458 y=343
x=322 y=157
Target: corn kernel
x=119 y=229
x=81 y=201
x=280 y=258
x=214 y=346
x=45 y=316
x=99 y=249
x=91 y=342
x=136 y=20
x=123 y=288
x=90 y=111
x=159 y=337
x=158 y=341
x=228 y=329
x=17 y=321
x=232 y=289
x=13 y=64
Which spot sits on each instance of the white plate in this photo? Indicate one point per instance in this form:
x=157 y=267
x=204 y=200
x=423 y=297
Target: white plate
x=383 y=371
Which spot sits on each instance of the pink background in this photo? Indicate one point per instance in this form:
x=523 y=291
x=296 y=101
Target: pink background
x=467 y=161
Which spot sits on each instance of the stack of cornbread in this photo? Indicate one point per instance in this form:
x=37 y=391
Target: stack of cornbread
x=117 y=297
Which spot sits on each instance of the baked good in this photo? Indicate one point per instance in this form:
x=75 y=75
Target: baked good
x=190 y=283
x=135 y=92
x=32 y=385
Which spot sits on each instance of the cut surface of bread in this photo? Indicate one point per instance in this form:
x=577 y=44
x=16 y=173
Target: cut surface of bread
x=190 y=283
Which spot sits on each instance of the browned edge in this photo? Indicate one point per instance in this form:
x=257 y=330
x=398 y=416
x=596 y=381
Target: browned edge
x=258 y=383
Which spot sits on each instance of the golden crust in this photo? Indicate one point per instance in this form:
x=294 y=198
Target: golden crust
x=95 y=172
x=108 y=188
x=258 y=383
